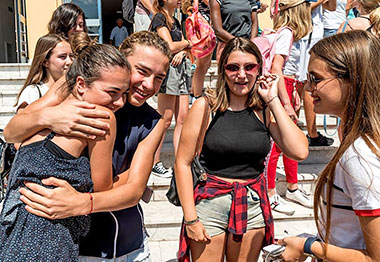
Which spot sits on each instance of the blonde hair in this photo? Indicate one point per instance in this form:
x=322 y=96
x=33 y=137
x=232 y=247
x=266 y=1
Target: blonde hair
x=144 y=38
x=297 y=17
x=219 y=98
x=185 y=4
x=371 y=7
x=344 y=55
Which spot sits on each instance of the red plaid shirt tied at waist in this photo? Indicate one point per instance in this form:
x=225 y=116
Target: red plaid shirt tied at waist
x=237 y=224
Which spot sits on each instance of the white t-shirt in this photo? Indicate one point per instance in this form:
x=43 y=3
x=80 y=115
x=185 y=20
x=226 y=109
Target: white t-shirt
x=333 y=19
x=293 y=63
x=31 y=93
x=356 y=187
x=283 y=42
x=316 y=17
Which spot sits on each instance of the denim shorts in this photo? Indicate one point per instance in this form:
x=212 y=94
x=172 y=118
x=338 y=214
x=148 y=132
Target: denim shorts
x=178 y=79
x=329 y=32
x=139 y=255
x=214 y=213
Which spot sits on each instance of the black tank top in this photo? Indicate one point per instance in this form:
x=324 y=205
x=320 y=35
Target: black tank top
x=235 y=145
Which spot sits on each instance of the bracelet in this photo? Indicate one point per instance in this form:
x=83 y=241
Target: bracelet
x=188 y=43
x=91 y=203
x=271 y=100
x=191 y=222
x=307 y=246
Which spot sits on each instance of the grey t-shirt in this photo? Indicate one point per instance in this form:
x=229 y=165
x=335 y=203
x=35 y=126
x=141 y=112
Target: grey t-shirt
x=236 y=16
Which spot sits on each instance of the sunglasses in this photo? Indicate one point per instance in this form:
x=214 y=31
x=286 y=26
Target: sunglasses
x=249 y=68
x=314 y=82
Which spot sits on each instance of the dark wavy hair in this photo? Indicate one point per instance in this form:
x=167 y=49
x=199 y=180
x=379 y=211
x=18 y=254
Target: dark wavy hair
x=64 y=18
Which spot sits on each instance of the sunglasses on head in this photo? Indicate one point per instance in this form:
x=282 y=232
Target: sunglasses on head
x=249 y=68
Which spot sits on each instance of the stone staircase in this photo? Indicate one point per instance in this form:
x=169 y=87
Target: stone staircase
x=162 y=219
x=12 y=77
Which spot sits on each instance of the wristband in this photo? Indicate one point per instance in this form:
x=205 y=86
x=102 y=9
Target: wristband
x=191 y=222
x=91 y=203
x=271 y=100
x=307 y=246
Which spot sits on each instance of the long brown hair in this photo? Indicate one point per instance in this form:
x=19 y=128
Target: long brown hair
x=219 y=98
x=64 y=18
x=37 y=72
x=158 y=7
x=345 y=54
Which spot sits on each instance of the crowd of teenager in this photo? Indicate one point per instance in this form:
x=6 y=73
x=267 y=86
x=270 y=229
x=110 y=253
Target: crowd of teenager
x=88 y=140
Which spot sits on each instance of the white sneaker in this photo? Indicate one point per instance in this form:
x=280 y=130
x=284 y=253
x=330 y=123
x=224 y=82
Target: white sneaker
x=161 y=171
x=278 y=204
x=299 y=196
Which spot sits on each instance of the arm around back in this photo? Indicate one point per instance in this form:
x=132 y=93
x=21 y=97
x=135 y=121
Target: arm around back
x=100 y=152
x=64 y=201
x=77 y=118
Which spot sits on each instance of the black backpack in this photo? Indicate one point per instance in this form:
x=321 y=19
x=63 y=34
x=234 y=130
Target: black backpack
x=129 y=7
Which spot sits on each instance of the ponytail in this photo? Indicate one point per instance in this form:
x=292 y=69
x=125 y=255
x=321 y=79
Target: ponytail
x=79 y=42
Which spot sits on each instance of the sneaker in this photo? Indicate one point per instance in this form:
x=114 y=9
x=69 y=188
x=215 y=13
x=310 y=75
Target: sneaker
x=299 y=196
x=320 y=140
x=278 y=204
x=161 y=171
x=300 y=123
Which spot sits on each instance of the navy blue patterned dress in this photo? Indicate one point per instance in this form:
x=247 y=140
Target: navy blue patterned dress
x=26 y=237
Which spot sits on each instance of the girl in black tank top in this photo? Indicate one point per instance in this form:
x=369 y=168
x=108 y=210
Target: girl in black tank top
x=236 y=143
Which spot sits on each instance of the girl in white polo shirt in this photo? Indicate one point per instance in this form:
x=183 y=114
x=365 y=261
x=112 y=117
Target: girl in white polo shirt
x=347 y=194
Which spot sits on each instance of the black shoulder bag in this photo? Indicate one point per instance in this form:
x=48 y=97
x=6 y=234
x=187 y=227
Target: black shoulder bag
x=7 y=155
x=197 y=170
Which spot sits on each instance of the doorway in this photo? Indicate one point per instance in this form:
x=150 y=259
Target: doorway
x=101 y=17
x=111 y=11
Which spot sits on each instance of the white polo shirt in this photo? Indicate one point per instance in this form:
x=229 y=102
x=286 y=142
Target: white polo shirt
x=356 y=193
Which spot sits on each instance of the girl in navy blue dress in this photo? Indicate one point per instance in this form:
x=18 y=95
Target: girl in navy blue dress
x=99 y=75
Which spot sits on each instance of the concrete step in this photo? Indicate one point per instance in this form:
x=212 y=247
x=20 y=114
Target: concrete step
x=6 y=113
x=14 y=70
x=8 y=99
x=11 y=84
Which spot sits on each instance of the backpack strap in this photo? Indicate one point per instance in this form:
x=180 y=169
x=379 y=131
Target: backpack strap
x=265 y=117
x=50 y=136
x=344 y=26
x=204 y=126
x=39 y=90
